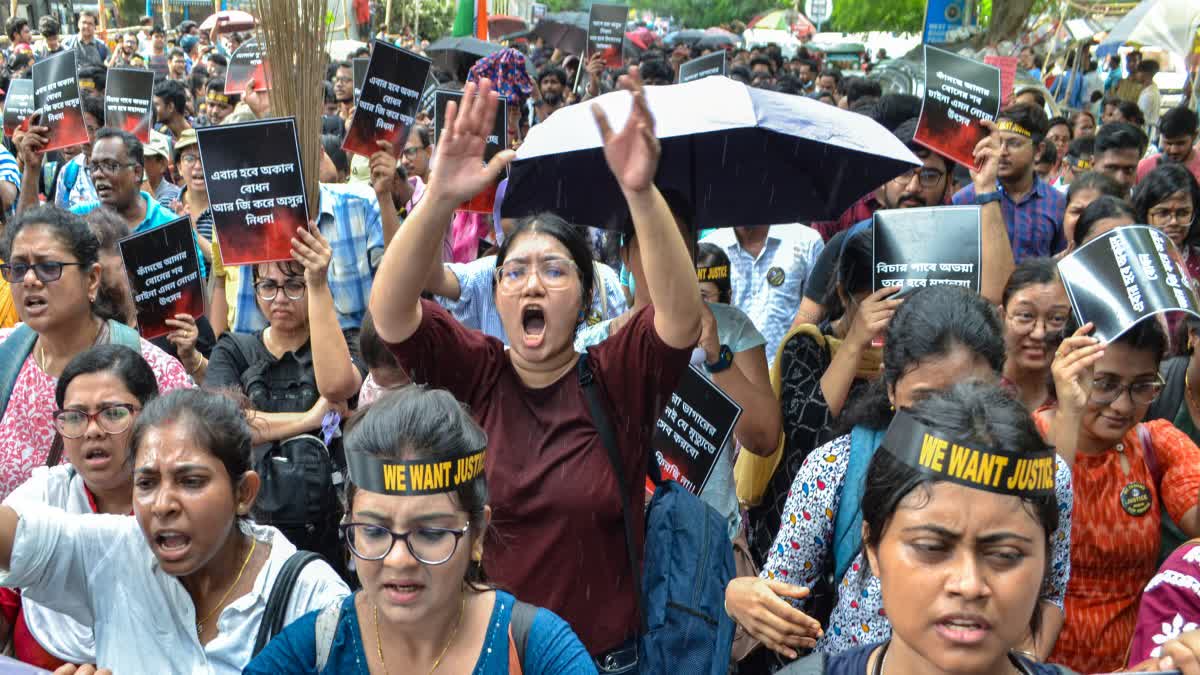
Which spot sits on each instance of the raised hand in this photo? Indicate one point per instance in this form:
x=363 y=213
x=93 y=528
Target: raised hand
x=383 y=169
x=312 y=251
x=1073 y=365
x=459 y=172
x=633 y=152
x=987 y=159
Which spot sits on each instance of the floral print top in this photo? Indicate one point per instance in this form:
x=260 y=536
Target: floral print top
x=1170 y=604
x=803 y=550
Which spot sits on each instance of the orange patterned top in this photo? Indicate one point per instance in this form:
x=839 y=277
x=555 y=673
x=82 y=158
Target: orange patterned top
x=1113 y=553
x=8 y=308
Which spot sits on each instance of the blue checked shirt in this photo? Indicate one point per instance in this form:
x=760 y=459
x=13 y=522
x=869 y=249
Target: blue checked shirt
x=350 y=221
x=476 y=307
x=1035 y=224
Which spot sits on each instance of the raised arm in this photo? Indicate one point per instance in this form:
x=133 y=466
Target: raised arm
x=337 y=377
x=458 y=174
x=998 y=262
x=632 y=155
x=383 y=177
x=29 y=150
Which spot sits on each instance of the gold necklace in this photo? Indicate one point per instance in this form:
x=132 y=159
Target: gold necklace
x=200 y=623
x=437 y=662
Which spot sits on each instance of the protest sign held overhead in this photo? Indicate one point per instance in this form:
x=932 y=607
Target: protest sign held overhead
x=248 y=62
x=129 y=101
x=606 y=32
x=496 y=141
x=1124 y=276
x=56 y=96
x=390 y=95
x=938 y=246
x=959 y=94
x=255 y=187
x=709 y=64
x=164 y=275
x=692 y=430
x=360 y=75
x=427 y=94
x=18 y=104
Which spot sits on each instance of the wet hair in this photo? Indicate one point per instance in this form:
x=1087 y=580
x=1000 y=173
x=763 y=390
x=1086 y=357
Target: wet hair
x=1118 y=136
x=1146 y=336
x=214 y=422
x=415 y=423
x=573 y=238
x=333 y=147
x=67 y=228
x=375 y=353
x=1178 y=121
x=132 y=145
x=173 y=93
x=1105 y=206
x=1164 y=181
x=1029 y=116
x=929 y=324
x=129 y=366
x=710 y=255
x=1031 y=272
x=974 y=412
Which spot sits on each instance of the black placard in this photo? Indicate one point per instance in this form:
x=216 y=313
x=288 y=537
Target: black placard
x=18 y=104
x=709 y=64
x=935 y=246
x=959 y=94
x=391 y=93
x=129 y=101
x=247 y=62
x=56 y=96
x=1124 y=276
x=255 y=187
x=606 y=32
x=360 y=75
x=484 y=202
x=693 y=429
x=164 y=275
x=431 y=86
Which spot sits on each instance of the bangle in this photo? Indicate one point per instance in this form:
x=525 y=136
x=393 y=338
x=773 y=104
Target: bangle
x=199 y=362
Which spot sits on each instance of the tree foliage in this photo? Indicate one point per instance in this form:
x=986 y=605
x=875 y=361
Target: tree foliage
x=860 y=16
x=705 y=13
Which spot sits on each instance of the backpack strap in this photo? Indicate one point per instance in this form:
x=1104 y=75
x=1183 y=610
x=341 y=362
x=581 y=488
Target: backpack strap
x=13 y=352
x=326 y=628
x=281 y=591
x=595 y=401
x=519 y=626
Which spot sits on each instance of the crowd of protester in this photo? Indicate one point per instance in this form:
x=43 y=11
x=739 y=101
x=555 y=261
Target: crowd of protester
x=408 y=334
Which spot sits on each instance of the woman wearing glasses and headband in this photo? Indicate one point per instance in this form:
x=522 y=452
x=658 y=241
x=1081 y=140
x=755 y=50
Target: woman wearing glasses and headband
x=99 y=395
x=1169 y=198
x=1128 y=477
x=417 y=509
x=52 y=265
x=959 y=518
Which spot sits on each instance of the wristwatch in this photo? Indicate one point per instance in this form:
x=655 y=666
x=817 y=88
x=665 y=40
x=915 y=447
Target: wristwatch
x=987 y=198
x=724 y=360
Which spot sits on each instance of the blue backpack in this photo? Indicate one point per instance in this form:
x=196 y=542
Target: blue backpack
x=687 y=562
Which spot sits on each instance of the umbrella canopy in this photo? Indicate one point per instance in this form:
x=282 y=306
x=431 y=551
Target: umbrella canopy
x=776 y=19
x=340 y=50
x=1170 y=24
x=566 y=31
x=502 y=24
x=643 y=38
x=740 y=156
x=688 y=36
x=456 y=55
x=509 y=73
x=720 y=40
x=231 y=20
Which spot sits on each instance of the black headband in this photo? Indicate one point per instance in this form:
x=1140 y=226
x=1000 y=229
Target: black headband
x=1026 y=474
x=416 y=477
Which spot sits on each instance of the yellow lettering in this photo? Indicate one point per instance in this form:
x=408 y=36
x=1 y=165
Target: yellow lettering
x=972 y=471
x=1047 y=474
x=996 y=470
x=933 y=452
x=418 y=476
x=958 y=460
x=393 y=478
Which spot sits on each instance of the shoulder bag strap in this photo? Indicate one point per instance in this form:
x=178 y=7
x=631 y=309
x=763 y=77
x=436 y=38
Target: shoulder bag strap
x=120 y=334
x=1150 y=458
x=326 y=628
x=13 y=352
x=591 y=391
x=519 y=627
x=281 y=591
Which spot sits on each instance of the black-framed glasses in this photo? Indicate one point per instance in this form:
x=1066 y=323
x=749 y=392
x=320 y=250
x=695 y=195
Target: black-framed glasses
x=1106 y=390
x=292 y=288
x=1162 y=214
x=927 y=176
x=429 y=545
x=112 y=419
x=46 y=271
x=107 y=166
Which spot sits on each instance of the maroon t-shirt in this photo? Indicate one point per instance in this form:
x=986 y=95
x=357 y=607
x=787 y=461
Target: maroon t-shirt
x=557 y=538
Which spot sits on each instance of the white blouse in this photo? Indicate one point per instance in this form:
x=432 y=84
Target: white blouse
x=98 y=570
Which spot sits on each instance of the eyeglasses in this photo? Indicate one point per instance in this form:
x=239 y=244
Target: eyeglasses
x=46 y=271
x=555 y=274
x=1024 y=322
x=189 y=158
x=1106 y=390
x=412 y=152
x=108 y=166
x=1181 y=216
x=112 y=419
x=429 y=545
x=342 y=78
x=292 y=288
x=927 y=176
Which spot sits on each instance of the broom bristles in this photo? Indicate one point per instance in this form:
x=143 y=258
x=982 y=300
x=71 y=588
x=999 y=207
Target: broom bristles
x=295 y=37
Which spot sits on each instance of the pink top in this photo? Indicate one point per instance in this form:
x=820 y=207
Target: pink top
x=467 y=229
x=1151 y=163
x=27 y=429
